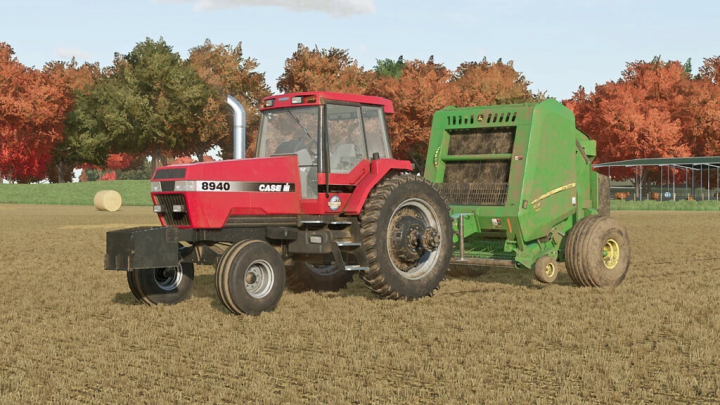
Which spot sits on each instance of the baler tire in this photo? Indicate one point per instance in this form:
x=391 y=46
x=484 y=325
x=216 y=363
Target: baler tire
x=572 y=240
x=603 y=195
x=150 y=290
x=597 y=252
x=301 y=277
x=383 y=278
x=546 y=269
x=459 y=270
x=265 y=263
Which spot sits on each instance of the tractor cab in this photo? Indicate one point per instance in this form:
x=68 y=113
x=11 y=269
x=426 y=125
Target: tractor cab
x=333 y=135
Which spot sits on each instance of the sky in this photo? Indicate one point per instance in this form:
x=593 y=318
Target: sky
x=558 y=45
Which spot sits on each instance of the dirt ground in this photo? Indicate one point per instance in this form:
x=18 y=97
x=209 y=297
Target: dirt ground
x=72 y=332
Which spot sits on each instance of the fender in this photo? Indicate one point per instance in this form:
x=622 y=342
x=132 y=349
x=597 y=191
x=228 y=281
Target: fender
x=379 y=168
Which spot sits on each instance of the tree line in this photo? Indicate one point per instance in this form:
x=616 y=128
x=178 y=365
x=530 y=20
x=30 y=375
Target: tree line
x=153 y=102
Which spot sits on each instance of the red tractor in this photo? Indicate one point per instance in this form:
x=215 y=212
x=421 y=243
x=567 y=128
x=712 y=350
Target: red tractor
x=322 y=200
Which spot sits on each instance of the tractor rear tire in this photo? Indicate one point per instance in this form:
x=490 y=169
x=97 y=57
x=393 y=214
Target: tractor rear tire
x=461 y=270
x=250 y=277
x=404 y=197
x=603 y=195
x=162 y=285
x=304 y=276
x=546 y=269
x=597 y=253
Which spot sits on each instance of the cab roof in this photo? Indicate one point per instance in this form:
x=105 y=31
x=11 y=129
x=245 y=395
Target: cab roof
x=320 y=97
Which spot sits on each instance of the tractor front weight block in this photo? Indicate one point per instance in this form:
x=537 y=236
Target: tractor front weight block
x=141 y=248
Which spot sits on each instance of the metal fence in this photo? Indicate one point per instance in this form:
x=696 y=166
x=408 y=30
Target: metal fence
x=680 y=192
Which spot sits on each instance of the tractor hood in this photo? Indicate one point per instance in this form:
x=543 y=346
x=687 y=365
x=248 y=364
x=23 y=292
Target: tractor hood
x=209 y=195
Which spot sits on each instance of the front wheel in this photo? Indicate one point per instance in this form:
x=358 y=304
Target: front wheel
x=546 y=269
x=250 y=277
x=167 y=285
x=407 y=236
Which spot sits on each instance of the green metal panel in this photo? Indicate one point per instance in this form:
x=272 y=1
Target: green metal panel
x=550 y=184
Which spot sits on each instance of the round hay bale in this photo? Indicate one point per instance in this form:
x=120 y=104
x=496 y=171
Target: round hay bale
x=107 y=200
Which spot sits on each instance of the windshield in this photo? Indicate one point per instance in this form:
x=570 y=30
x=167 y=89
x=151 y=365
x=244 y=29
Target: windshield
x=288 y=131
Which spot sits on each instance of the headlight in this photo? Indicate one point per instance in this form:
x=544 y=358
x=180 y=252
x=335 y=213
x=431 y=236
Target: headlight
x=185 y=185
x=155 y=186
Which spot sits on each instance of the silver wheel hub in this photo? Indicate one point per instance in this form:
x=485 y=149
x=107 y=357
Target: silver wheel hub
x=259 y=279
x=428 y=239
x=168 y=278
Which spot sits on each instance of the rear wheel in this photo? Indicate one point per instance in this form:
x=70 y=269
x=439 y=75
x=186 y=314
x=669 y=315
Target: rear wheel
x=598 y=252
x=407 y=236
x=305 y=276
x=167 y=285
x=250 y=277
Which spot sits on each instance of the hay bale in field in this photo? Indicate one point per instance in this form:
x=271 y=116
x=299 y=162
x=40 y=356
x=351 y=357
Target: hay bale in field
x=107 y=200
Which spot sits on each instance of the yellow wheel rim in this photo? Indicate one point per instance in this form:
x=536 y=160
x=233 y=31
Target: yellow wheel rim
x=611 y=254
x=550 y=269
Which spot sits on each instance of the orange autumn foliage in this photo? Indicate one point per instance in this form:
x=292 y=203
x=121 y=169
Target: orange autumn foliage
x=32 y=114
x=656 y=109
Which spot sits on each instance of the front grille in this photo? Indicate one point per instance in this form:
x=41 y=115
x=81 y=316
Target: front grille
x=475 y=193
x=173 y=218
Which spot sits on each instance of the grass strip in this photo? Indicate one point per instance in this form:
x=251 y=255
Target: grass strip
x=133 y=192
x=684 y=205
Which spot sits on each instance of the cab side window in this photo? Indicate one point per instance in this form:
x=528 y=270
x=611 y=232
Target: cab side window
x=345 y=137
x=375 y=131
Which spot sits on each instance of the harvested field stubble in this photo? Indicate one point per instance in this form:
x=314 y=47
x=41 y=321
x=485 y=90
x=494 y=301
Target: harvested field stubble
x=73 y=332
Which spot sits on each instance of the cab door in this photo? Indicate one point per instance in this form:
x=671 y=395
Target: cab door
x=346 y=154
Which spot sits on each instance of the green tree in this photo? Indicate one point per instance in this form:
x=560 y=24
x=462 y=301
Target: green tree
x=389 y=67
x=149 y=102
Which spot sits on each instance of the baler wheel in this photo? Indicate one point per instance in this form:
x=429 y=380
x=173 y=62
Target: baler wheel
x=461 y=270
x=546 y=269
x=250 y=277
x=162 y=285
x=597 y=252
x=304 y=276
x=404 y=205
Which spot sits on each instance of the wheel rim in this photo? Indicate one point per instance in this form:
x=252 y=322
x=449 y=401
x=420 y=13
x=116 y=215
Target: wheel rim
x=421 y=210
x=259 y=279
x=611 y=254
x=168 y=278
x=550 y=269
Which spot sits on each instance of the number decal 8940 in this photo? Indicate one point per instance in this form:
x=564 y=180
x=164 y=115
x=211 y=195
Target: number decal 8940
x=215 y=186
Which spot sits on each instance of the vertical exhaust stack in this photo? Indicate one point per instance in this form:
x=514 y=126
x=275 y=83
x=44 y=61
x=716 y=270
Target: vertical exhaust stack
x=238 y=128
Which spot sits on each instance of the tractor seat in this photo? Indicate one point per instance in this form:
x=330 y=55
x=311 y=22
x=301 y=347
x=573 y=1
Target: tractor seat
x=344 y=158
